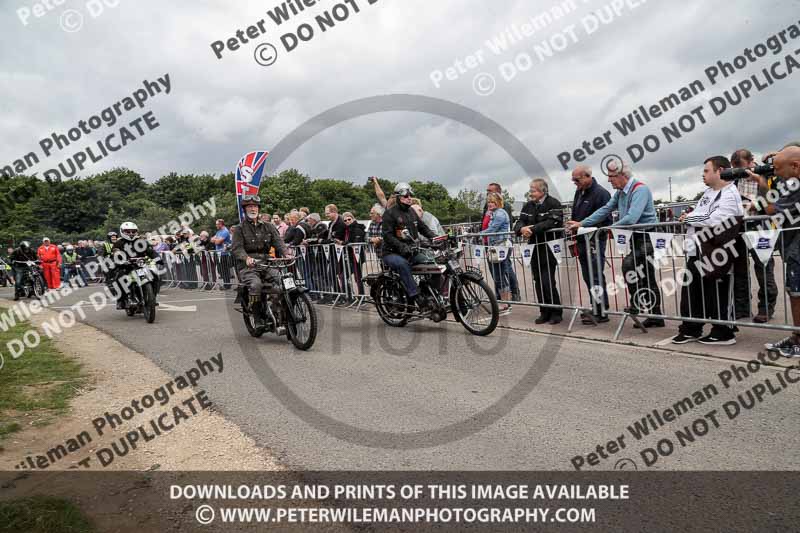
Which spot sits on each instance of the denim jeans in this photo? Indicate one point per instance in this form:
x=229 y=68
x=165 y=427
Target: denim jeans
x=402 y=266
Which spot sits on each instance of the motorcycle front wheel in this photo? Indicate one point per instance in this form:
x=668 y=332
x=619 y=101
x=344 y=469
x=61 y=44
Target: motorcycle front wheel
x=149 y=298
x=475 y=306
x=39 y=287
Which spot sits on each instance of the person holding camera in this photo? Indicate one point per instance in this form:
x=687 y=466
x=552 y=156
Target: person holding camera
x=787 y=168
x=753 y=193
x=704 y=291
x=541 y=214
x=634 y=201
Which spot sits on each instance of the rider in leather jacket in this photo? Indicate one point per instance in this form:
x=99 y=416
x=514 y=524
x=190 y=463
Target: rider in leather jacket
x=401 y=226
x=18 y=258
x=129 y=245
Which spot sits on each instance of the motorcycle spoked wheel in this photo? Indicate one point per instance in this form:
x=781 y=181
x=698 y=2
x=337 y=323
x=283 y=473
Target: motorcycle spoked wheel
x=39 y=287
x=475 y=306
x=149 y=304
x=250 y=320
x=391 y=302
x=303 y=333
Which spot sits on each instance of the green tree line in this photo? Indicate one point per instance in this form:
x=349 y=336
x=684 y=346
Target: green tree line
x=87 y=208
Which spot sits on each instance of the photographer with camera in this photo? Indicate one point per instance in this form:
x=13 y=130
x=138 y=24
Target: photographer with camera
x=753 y=193
x=787 y=168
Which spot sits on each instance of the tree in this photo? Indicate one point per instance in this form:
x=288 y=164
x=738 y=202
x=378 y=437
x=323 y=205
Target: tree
x=286 y=191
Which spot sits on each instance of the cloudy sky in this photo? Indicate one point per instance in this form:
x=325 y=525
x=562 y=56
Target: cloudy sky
x=218 y=109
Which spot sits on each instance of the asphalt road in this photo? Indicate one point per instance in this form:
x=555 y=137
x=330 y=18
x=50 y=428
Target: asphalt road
x=430 y=396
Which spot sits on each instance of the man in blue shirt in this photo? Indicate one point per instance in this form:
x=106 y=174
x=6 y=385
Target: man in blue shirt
x=634 y=201
x=589 y=197
x=222 y=243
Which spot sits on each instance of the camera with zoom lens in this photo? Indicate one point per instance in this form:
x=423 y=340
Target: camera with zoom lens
x=734 y=174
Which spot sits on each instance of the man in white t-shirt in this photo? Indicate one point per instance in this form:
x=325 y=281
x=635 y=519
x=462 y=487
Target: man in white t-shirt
x=704 y=292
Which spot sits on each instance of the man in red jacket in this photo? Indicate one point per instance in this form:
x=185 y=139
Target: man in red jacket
x=51 y=263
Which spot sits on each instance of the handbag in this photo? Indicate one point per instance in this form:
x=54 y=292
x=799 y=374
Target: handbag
x=493 y=254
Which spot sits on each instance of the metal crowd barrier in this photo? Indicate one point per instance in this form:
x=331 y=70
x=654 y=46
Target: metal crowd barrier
x=553 y=275
x=582 y=275
x=199 y=270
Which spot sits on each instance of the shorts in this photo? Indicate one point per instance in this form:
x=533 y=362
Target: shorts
x=790 y=252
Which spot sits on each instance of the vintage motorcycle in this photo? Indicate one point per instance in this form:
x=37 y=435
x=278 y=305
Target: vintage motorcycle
x=447 y=286
x=33 y=283
x=143 y=289
x=286 y=308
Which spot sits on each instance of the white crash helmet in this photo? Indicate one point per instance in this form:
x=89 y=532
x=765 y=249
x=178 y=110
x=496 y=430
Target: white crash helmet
x=403 y=189
x=128 y=230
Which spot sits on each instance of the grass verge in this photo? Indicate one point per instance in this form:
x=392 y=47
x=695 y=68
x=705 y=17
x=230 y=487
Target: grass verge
x=37 y=386
x=42 y=514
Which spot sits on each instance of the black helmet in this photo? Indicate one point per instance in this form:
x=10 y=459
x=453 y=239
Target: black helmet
x=25 y=245
x=250 y=199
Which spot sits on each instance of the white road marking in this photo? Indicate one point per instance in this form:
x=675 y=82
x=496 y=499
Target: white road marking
x=186 y=308
x=194 y=300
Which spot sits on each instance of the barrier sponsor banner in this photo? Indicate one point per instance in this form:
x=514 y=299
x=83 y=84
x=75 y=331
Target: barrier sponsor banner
x=339 y=249
x=326 y=250
x=661 y=244
x=584 y=231
x=763 y=242
x=622 y=240
x=357 y=252
x=478 y=252
x=303 y=251
x=527 y=253
x=557 y=247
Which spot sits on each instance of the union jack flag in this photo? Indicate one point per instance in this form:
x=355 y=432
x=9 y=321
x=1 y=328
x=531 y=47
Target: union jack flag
x=249 y=172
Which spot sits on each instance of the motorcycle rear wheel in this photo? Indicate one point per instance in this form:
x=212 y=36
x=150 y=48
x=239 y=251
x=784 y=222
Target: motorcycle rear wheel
x=304 y=332
x=391 y=302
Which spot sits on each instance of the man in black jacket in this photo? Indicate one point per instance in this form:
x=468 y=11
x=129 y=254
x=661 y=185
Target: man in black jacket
x=589 y=197
x=18 y=260
x=355 y=233
x=129 y=245
x=333 y=236
x=540 y=214
x=398 y=253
